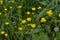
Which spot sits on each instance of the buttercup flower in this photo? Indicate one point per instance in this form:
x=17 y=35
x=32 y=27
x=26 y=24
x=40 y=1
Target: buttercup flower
x=23 y=21
x=5 y=9
x=0 y=13
x=28 y=12
x=6 y=35
x=39 y=7
x=43 y=19
x=2 y=32
x=33 y=9
x=19 y=6
x=29 y=19
x=59 y=15
x=49 y=12
x=10 y=7
x=20 y=28
x=7 y=23
x=33 y=25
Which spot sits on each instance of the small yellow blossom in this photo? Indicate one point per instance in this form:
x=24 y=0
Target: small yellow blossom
x=20 y=28
x=2 y=32
x=33 y=9
x=6 y=35
x=33 y=25
x=1 y=1
x=28 y=12
x=0 y=13
x=43 y=19
x=29 y=19
x=39 y=7
x=23 y=21
x=49 y=12
x=59 y=15
x=5 y=9
x=7 y=23
x=13 y=1
x=19 y=6
x=10 y=7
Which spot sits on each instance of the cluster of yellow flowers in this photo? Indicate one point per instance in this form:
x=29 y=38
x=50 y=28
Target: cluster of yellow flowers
x=28 y=19
x=33 y=9
x=32 y=26
x=3 y=33
x=1 y=1
x=43 y=19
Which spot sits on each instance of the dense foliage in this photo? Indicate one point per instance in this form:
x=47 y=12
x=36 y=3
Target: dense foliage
x=29 y=19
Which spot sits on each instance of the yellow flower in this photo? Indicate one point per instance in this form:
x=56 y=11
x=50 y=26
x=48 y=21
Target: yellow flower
x=29 y=19
x=23 y=21
x=7 y=23
x=28 y=12
x=10 y=7
x=33 y=9
x=6 y=35
x=19 y=6
x=39 y=7
x=0 y=13
x=2 y=32
x=1 y=1
x=49 y=12
x=5 y=9
x=33 y=26
x=43 y=19
x=20 y=28
x=59 y=15
x=12 y=1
